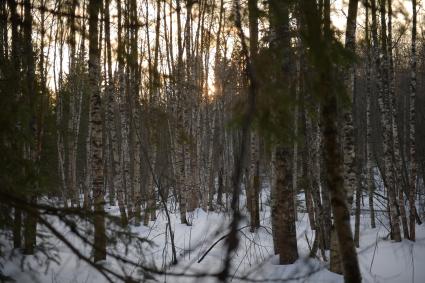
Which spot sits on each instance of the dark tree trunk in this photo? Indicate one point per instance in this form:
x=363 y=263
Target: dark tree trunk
x=333 y=159
x=283 y=208
x=30 y=226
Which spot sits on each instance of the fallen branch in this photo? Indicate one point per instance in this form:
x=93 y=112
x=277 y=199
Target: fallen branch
x=218 y=241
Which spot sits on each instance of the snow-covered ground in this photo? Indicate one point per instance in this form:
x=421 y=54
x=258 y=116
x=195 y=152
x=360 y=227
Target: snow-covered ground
x=381 y=260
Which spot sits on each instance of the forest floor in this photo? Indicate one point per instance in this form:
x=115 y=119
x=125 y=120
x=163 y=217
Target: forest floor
x=381 y=260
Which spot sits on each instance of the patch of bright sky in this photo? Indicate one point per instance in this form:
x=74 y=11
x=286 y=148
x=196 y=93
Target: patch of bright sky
x=402 y=16
x=402 y=13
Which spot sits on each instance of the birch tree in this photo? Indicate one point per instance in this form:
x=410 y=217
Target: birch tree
x=412 y=126
x=254 y=178
x=96 y=133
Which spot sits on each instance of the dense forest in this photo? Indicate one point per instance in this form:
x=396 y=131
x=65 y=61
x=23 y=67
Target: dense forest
x=212 y=140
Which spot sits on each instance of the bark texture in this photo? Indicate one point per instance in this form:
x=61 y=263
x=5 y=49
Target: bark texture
x=96 y=133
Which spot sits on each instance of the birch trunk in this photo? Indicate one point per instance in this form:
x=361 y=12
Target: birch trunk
x=295 y=172
x=398 y=165
x=180 y=120
x=212 y=158
x=350 y=176
x=124 y=116
x=254 y=184
x=96 y=133
x=112 y=116
x=305 y=170
x=412 y=125
x=72 y=136
x=313 y=181
x=382 y=83
x=387 y=135
x=349 y=157
x=135 y=130
x=369 y=168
